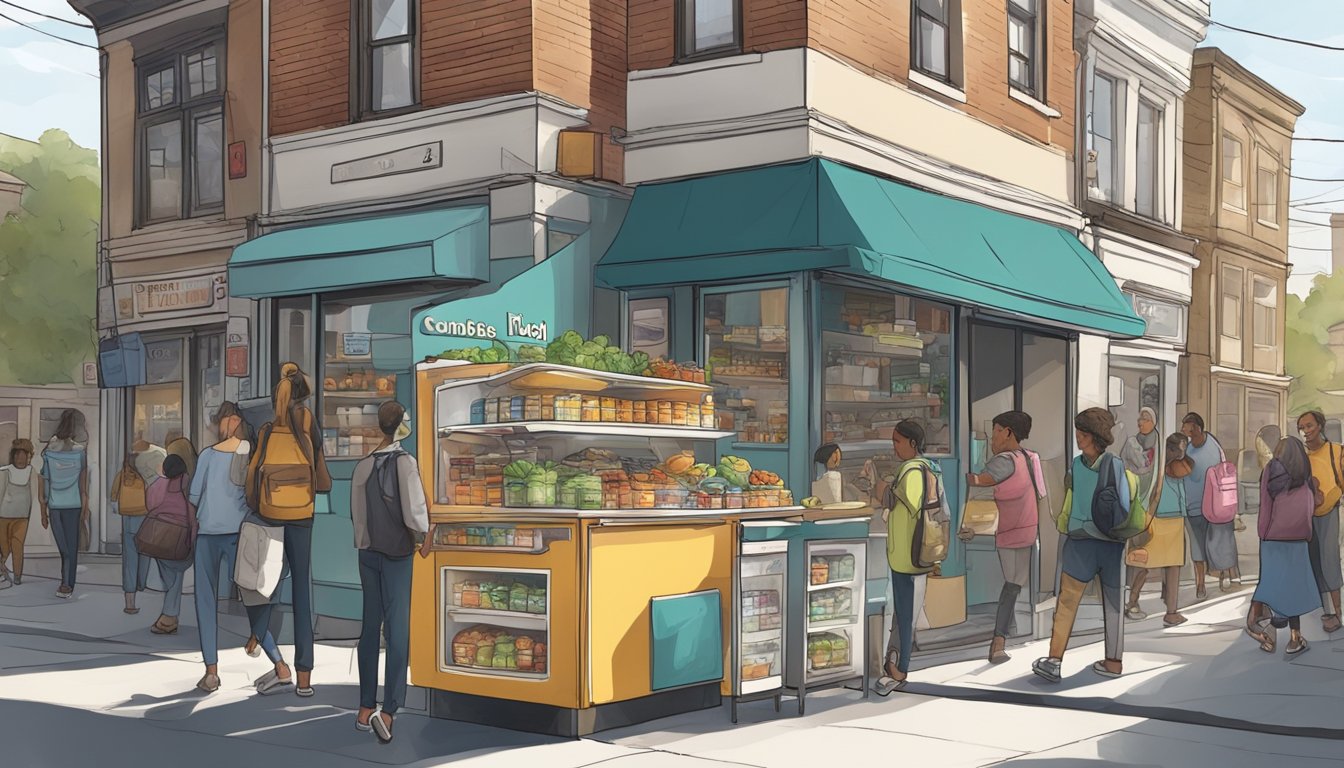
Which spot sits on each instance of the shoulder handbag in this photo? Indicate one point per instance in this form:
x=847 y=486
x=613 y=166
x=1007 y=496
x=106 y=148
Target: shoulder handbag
x=164 y=537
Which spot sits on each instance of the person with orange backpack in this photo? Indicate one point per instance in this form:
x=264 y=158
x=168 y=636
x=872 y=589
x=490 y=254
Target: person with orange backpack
x=284 y=476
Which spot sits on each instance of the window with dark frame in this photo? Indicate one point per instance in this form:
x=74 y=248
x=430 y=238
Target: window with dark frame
x=930 y=38
x=180 y=122
x=1026 y=37
x=387 y=56
x=708 y=28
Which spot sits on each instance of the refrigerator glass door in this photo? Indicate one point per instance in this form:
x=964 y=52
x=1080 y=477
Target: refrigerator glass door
x=496 y=622
x=835 y=610
x=761 y=622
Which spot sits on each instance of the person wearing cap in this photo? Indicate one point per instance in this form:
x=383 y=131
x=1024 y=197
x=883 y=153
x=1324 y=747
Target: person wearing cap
x=16 y=507
x=1088 y=552
x=388 y=510
x=221 y=505
x=1165 y=549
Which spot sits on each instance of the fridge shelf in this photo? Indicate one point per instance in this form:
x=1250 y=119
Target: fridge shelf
x=836 y=623
x=492 y=672
x=832 y=585
x=514 y=619
x=763 y=636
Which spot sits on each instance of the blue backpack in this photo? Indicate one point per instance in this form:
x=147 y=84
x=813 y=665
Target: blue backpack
x=61 y=471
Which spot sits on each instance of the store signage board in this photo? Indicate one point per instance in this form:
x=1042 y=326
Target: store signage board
x=357 y=344
x=516 y=326
x=180 y=294
x=421 y=157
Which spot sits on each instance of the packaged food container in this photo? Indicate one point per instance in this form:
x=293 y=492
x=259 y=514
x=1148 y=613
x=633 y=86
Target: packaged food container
x=670 y=498
x=734 y=499
x=821 y=570
x=664 y=412
x=532 y=408
x=637 y=412
x=590 y=497
x=492 y=410
x=524 y=537
x=608 y=406
x=548 y=408
x=625 y=411
x=517 y=408
x=515 y=493
x=592 y=409
x=568 y=407
x=679 y=414
x=644 y=498
x=785 y=498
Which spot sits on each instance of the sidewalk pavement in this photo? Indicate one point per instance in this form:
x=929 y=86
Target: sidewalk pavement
x=1199 y=694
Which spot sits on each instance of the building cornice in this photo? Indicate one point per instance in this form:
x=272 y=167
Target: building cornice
x=1222 y=64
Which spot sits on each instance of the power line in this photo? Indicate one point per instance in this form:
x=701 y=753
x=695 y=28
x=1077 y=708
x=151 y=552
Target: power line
x=1316 y=250
x=1309 y=178
x=1318 y=202
x=1317 y=138
x=48 y=34
x=1318 y=194
x=46 y=15
x=1295 y=41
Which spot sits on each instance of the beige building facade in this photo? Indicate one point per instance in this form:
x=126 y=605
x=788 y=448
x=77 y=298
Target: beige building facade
x=1238 y=150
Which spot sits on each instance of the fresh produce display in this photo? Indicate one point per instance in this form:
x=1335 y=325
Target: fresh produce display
x=666 y=369
x=831 y=569
x=761 y=478
x=759 y=660
x=828 y=650
x=495 y=648
x=497 y=352
x=735 y=470
x=597 y=353
x=517 y=597
x=831 y=605
x=530 y=485
x=481 y=536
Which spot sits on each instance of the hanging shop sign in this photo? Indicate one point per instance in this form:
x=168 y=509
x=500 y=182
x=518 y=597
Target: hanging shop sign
x=180 y=294
x=237 y=352
x=515 y=326
x=421 y=157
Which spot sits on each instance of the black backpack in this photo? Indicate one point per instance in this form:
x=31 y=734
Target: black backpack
x=383 y=518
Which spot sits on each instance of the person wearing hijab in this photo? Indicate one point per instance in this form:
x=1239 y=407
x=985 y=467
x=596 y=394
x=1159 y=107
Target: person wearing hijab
x=1166 y=548
x=1287 y=586
x=1141 y=450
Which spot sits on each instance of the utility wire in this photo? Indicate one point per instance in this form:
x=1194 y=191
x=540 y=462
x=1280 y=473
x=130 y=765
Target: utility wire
x=1295 y=41
x=1310 y=178
x=48 y=34
x=1318 y=202
x=46 y=15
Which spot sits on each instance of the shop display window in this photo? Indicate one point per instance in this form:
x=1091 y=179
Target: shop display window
x=496 y=621
x=886 y=357
x=352 y=387
x=294 y=335
x=747 y=357
x=157 y=414
x=210 y=384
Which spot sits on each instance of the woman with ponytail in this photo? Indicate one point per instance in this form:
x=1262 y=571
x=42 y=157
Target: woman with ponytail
x=285 y=474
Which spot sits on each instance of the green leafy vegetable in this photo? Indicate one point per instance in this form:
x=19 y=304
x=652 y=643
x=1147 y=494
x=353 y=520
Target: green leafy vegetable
x=519 y=470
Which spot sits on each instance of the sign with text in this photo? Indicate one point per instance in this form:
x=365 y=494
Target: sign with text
x=418 y=158
x=356 y=344
x=515 y=327
x=179 y=295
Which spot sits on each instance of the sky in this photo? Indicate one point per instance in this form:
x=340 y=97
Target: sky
x=45 y=83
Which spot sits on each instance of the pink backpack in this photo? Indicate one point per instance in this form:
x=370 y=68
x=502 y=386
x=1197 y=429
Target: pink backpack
x=1220 y=490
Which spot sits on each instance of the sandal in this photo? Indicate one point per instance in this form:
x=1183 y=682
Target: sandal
x=161 y=627
x=271 y=682
x=1133 y=613
x=1259 y=633
x=1296 y=646
x=1047 y=669
x=208 y=684
x=382 y=727
x=1101 y=669
x=1173 y=620
x=1330 y=624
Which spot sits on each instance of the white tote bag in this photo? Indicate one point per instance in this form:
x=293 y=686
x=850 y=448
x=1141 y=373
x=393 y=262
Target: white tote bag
x=261 y=559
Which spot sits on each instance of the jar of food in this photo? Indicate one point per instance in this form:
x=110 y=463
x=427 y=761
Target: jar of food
x=592 y=409
x=679 y=414
x=665 y=412
x=693 y=415
x=785 y=498
x=608 y=406
x=734 y=499
x=637 y=412
x=590 y=496
x=707 y=413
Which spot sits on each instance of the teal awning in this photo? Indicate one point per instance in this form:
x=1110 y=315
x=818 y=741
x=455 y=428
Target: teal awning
x=819 y=214
x=451 y=244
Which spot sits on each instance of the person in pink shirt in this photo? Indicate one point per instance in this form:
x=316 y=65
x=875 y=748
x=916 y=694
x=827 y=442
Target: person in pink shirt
x=1019 y=486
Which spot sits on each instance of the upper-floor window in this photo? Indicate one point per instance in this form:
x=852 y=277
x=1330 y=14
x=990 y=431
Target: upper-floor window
x=1104 y=135
x=1234 y=186
x=180 y=124
x=1148 y=154
x=387 y=56
x=1230 y=333
x=1165 y=319
x=708 y=27
x=1267 y=190
x=1026 y=38
x=1264 y=324
x=931 y=38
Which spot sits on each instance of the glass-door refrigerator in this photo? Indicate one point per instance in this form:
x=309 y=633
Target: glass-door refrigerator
x=758 y=650
x=834 y=651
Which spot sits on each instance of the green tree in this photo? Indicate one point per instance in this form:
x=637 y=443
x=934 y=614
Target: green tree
x=48 y=260
x=1308 y=358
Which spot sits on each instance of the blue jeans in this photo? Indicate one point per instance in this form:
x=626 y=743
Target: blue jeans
x=902 y=637
x=299 y=558
x=65 y=529
x=134 y=566
x=386 y=582
x=173 y=573
x=214 y=550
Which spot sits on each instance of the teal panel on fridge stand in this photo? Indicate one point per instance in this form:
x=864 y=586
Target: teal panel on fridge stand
x=687 y=639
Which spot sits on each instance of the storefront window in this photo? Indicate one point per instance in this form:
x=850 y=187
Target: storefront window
x=886 y=357
x=157 y=417
x=650 y=325
x=1227 y=424
x=747 y=357
x=210 y=384
x=352 y=388
x=294 y=335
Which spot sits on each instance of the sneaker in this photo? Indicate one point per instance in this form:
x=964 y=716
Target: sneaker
x=271 y=683
x=1047 y=669
x=208 y=684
